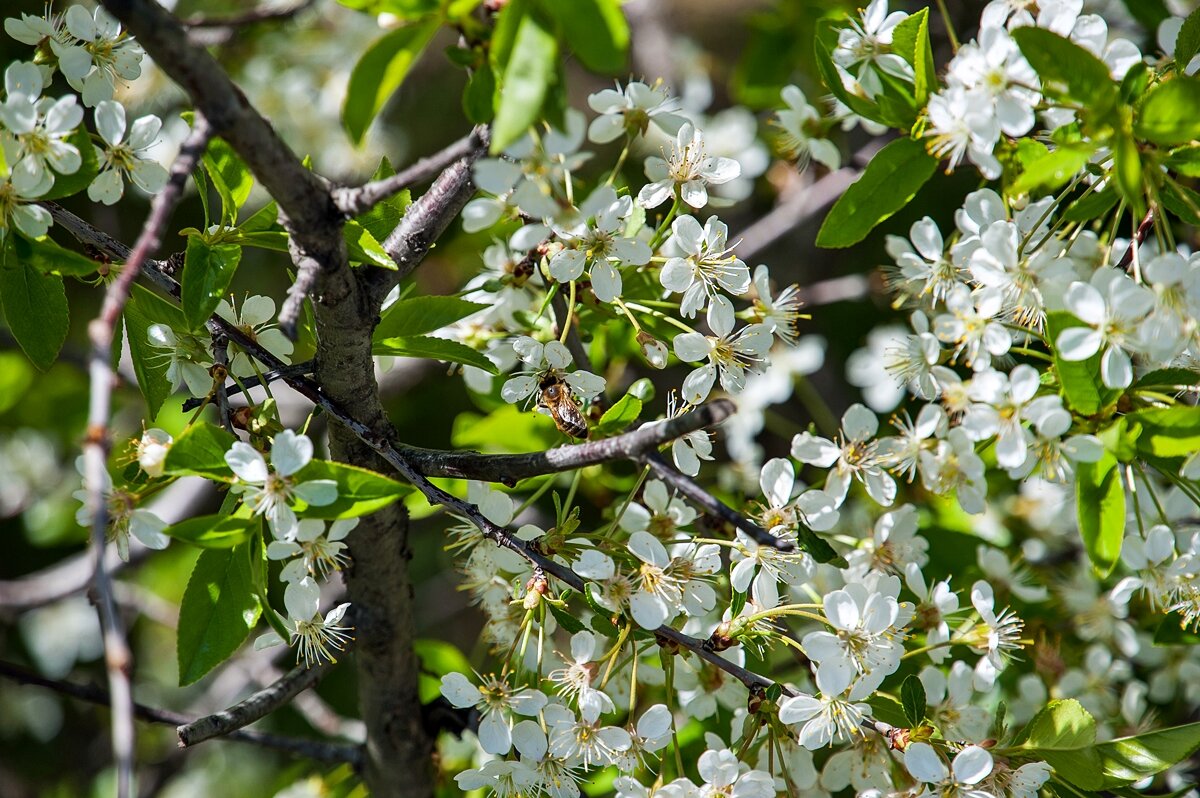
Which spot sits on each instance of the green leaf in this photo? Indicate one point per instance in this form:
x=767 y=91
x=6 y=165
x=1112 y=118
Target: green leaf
x=438 y=658
x=596 y=30
x=150 y=364
x=1171 y=380
x=1127 y=169
x=1131 y=759
x=1093 y=206
x=623 y=413
x=826 y=41
x=479 y=97
x=1068 y=71
x=565 y=619
x=207 y=272
x=1100 y=508
x=818 y=547
x=423 y=314
x=381 y=220
x=379 y=73
x=910 y=40
x=1174 y=630
x=360 y=491
x=200 y=451
x=912 y=697
x=1184 y=160
x=433 y=349
x=1064 y=734
x=1053 y=170
x=505 y=429
x=1187 y=44
x=1083 y=388
x=362 y=247
x=889 y=182
x=1170 y=113
x=265 y=218
x=81 y=178
x=49 y=258
x=528 y=75
x=888 y=710
x=218 y=611
x=1182 y=201
x=504 y=33
x=229 y=177
x=221 y=531
x=35 y=304
x=1169 y=431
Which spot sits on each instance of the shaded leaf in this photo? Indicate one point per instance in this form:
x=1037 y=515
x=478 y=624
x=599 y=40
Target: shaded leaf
x=380 y=72
x=35 y=304
x=218 y=611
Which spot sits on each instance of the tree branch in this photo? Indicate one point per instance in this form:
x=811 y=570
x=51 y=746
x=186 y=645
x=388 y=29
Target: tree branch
x=117 y=656
x=254 y=707
x=354 y=201
x=313 y=749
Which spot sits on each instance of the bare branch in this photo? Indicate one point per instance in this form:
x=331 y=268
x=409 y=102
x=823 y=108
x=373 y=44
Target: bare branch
x=1139 y=237
x=353 y=201
x=117 y=657
x=711 y=504
x=512 y=468
x=256 y=706
x=313 y=749
x=308 y=269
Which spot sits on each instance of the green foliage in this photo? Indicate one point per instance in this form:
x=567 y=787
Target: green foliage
x=1082 y=387
x=595 y=30
x=230 y=177
x=1053 y=169
x=150 y=365
x=912 y=697
x=34 y=303
x=438 y=658
x=423 y=314
x=359 y=491
x=527 y=77
x=200 y=452
x=49 y=258
x=219 y=531
x=208 y=270
x=910 y=40
x=1170 y=113
x=1169 y=431
x=379 y=73
x=889 y=182
x=618 y=417
x=430 y=348
x=381 y=220
x=1187 y=44
x=1100 y=507
x=363 y=247
x=218 y=611
x=1068 y=72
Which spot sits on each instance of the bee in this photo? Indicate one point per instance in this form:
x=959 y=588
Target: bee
x=557 y=400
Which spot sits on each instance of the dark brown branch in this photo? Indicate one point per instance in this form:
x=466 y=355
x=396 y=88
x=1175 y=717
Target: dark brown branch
x=1139 y=237
x=512 y=468
x=709 y=503
x=117 y=656
x=353 y=201
x=254 y=707
x=313 y=749
x=308 y=269
x=253 y=381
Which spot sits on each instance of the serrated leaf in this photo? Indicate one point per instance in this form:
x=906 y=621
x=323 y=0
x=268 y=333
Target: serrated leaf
x=433 y=349
x=1064 y=735
x=1093 y=206
x=912 y=697
x=360 y=491
x=150 y=364
x=229 y=176
x=1169 y=379
x=910 y=40
x=1169 y=431
x=220 y=531
x=208 y=270
x=527 y=76
x=35 y=305
x=618 y=417
x=566 y=620
x=1170 y=113
x=1083 y=388
x=1131 y=759
x=596 y=31
x=889 y=182
x=362 y=247
x=218 y=611
x=479 y=97
x=1187 y=43
x=380 y=72
x=1100 y=510
x=49 y=258
x=423 y=314
x=81 y=178
x=1068 y=71
x=1181 y=201
x=1053 y=170
x=200 y=451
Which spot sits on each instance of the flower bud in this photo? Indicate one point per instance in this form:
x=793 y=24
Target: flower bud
x=654 y=350
x=152 y=451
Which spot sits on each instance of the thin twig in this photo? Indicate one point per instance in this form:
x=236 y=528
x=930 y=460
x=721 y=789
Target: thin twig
x=254 y=707
x=253 y=381
x=1139 y=237
x=313 y=749
x=354 y=201
x=117 y=657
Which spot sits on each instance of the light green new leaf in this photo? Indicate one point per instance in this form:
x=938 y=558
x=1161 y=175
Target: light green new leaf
x=218 y=611
x=200 y=451
x=527 y=77
x=150 y=364
x=359 y=491
x=381 y=220
x=363 y=247
x=1169 y=431
x=49 y=258
x=438 y=658
x=889 y=182
x=380 y=72
x=910 y=40
x=1064 y=735
x=1128 y=171
x=207 y=272
x=35 y=304
x=1053 y=170
x=423 y=314
x=1100 y=508
x=1131 y=759
x=1068 y=71
x=618 y=417
x=595 y=29
x=229 y=177
x=1170 y=113
x=433 y=349
x=220 y=531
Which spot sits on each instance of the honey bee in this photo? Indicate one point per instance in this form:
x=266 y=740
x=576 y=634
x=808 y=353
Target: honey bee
x=556 y=398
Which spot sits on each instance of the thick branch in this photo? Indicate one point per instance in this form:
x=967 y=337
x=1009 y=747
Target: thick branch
x=254 y=707
x=353 y=201
x=313 y=749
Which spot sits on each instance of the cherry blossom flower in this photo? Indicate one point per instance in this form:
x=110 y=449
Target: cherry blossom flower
x=855 y=456
x=970 y=766
x=686 y=173
x=823 y=720
x=315 y=551
x=126 y=157
x=631 y=111
x=102 y=56
x=723 y=774
x=705 y=265
x=546 y=358
x=867 y=44
x=866 y=641
x=803 y=135
x=596 y=242
x=497 y=701
x=730 y=355
x=124 y=517
x=575 y=680
x=152 y=451
x=255 y=317
x=997 y=636
x=1111 y=307
x=269 y=491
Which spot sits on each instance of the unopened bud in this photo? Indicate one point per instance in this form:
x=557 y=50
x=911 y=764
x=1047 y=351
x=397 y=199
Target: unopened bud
x=152 y=451
x=721 y=638
x=654 y=350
